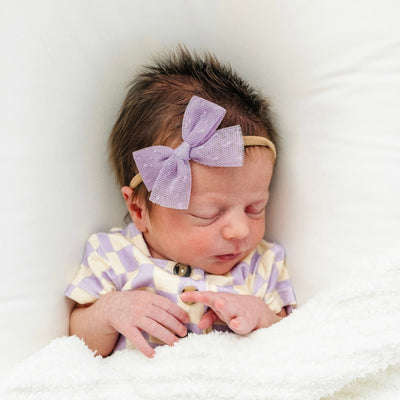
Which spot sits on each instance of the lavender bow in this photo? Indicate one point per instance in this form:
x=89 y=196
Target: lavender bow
x=166 y=172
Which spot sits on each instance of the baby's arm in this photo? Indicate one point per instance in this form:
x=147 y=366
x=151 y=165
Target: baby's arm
x=242 y=313
x=128 y=313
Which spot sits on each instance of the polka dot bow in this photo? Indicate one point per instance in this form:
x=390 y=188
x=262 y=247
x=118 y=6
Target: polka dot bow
x=166 y=172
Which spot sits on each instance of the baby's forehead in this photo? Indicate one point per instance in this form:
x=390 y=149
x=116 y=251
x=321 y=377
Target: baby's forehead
x=215 y=182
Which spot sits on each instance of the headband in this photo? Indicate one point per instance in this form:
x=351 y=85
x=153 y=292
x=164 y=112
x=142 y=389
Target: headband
x=166 y=172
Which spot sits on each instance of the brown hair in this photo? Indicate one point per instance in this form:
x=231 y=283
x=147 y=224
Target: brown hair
x=153 y=109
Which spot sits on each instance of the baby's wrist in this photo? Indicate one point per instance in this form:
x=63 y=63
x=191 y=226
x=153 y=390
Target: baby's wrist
x=104 y=311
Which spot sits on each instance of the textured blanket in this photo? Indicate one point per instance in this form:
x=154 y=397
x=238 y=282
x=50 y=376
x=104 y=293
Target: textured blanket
x=342 y=344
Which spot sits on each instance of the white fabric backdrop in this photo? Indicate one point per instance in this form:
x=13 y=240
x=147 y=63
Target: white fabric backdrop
x=330 y=68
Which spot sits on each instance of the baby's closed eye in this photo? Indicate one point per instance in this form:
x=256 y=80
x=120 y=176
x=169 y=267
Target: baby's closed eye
x=255 y=210
x=204 y=218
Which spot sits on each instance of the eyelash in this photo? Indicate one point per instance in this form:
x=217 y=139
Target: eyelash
x=256 y=215
x=205 y=219
x=210 y=220
x=260 y=211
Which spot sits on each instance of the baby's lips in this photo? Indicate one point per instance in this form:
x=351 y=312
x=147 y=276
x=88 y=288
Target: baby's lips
x=228 y=256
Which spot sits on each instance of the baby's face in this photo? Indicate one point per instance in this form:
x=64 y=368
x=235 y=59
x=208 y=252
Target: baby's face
x=225 y=218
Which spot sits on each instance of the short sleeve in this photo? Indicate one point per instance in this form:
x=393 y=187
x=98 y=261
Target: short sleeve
x=94 y=277
x=279 y=292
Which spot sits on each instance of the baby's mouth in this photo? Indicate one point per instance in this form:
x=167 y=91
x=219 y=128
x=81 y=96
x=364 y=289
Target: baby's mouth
x=228 y=257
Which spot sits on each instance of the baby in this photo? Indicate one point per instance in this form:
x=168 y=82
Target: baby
x=193 y=150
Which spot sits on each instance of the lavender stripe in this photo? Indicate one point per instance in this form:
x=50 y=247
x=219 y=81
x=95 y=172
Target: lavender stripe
x=145 y=277
x=279 y=252
x=286 y=292
x=171 y=296
x=259 y=281
x=69 y=290
x=273 y=278
x=126 y=257
x=239 y=273
x=91 y=285
x=89 y=249
x=105 y=244
x=117 y=280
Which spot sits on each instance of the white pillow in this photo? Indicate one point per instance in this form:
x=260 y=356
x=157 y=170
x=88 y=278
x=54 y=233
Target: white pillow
x=331 y=70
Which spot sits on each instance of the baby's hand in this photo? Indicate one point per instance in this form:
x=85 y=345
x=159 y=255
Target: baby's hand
x=242 y=313
x=131 y=312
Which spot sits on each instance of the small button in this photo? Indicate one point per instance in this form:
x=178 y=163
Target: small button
x=182 y=270
x=189 y=289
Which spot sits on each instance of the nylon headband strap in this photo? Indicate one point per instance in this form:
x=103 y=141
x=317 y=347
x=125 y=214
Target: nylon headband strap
x=248 y=141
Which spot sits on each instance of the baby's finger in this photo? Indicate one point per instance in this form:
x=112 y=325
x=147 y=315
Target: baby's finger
x=206 y=298
x=239 y=325
x=158 y=331
x=137 y=339
x=207 y=319
x=215 y=301
x=167 y=320
x=171 y=308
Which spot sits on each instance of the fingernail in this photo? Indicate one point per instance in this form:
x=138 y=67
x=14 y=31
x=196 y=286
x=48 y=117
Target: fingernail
x=184 y=333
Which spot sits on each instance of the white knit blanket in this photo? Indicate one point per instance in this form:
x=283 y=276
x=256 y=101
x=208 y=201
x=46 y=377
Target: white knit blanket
x=342 y=344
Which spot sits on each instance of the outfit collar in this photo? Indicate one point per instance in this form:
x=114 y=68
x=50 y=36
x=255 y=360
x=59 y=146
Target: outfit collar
x=137 y=239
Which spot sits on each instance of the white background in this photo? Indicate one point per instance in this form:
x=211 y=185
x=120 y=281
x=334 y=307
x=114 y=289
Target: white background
x=330 y=68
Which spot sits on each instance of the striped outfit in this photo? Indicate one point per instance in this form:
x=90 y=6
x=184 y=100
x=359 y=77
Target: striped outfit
x=120 y=260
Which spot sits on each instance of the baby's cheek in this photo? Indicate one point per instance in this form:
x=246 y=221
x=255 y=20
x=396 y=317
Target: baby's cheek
x=258 y=230
x=201 y=244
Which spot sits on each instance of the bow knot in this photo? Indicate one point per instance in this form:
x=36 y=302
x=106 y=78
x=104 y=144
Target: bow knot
x=166 y=172
x=183 y=151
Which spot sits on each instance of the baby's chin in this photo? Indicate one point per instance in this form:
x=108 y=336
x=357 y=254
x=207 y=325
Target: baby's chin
x=221 y=266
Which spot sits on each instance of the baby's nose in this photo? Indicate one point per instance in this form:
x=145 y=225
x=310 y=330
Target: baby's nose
x=236 y=227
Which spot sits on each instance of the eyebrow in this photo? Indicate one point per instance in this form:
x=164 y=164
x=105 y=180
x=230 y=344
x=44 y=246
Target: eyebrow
x=218 y=204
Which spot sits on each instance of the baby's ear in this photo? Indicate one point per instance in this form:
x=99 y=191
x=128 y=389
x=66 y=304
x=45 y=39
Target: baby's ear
x=136 y=207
